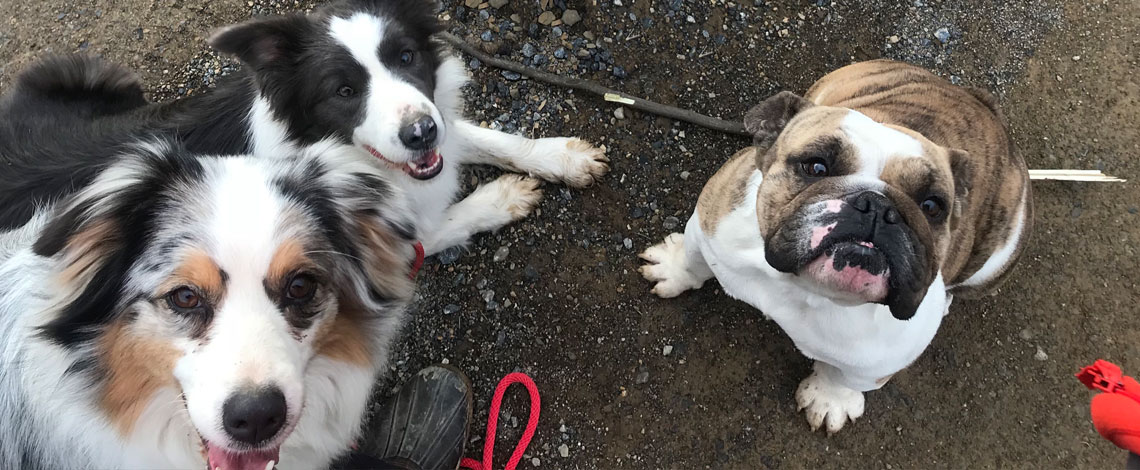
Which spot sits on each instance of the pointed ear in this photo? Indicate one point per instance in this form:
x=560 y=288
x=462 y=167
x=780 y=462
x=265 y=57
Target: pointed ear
x=963 y=171
x=263 y=42
x=766 y=120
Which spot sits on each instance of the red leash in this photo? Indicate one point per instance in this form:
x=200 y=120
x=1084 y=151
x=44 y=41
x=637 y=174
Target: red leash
x=493 y=420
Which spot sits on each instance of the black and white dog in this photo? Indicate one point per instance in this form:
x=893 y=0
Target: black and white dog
x=182 y=311
x=370 y=76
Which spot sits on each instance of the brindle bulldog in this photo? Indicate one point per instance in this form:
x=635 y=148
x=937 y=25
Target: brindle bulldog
x=863 y=208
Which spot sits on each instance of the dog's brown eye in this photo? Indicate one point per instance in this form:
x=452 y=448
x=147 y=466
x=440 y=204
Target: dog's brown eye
x=301 y=288
x=345 y=92
x=184 y=298
x=814 y=168
x=932 y=207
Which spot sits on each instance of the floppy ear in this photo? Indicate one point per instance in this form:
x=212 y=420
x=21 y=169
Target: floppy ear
x=963 y=171
x=95 y=236
x=264 y=42
x=766 y=120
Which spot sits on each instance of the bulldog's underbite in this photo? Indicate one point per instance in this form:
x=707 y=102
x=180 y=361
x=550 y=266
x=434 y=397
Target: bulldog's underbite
x=862 y=209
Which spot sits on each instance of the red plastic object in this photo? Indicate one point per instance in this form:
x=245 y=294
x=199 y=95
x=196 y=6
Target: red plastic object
x=1116 y=412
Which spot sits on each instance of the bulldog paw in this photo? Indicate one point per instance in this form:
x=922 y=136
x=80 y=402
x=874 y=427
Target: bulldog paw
x=668 y=267
x=826 y=402
x=575 y=162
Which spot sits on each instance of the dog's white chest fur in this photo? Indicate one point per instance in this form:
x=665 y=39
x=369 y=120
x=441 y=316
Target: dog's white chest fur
x=865 y=341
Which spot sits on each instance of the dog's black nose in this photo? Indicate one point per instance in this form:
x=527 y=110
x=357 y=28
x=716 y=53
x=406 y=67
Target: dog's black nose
x=254 y=416
x=420 y=134
x=870 y=202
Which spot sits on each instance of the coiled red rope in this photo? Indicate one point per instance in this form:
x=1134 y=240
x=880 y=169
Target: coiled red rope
x=493 y=421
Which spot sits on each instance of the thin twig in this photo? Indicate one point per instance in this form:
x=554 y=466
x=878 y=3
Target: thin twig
x=731 y=127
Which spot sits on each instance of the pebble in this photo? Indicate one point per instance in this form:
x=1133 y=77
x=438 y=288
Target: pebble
x=487 y=36
x=512 y=76
x=475 y=64
x=449 y=256
x=628 y=244
x=1026 y=334
x=583 y=53
x=671 y=223
x=560 y=53
x=685 y=175
x=497 y=4
x=1041 y=356
x=501 y=254
x=535 y=462
x=642 y=377
x=943 y=35
x=472 y=3
x=619 y=112
x=667 y=350
x=619 y=72
x=546 y=18
x=528 y=50
x=564 y=451
x=450 y=309
x=894 y=39
x=571 y=17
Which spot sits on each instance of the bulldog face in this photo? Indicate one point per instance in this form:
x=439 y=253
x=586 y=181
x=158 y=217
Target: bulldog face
x=861 y=211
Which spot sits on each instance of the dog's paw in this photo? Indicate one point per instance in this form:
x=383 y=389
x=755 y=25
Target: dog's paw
x=514 y=196
x=825 y=402
x=668 y=267
x=578 y=163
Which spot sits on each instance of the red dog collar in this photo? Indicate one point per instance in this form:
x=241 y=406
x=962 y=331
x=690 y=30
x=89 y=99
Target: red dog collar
x=419 y=261
x=1116 y=412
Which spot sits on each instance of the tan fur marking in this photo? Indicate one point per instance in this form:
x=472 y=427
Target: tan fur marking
x=136 y=367
x=84 y=250
x=725 y=190
x=343 y=339
x=289 y=257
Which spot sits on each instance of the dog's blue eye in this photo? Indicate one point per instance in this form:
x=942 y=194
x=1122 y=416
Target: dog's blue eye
x=345 y=91
x=814 y=167
x=406 y=57
x=932 y=207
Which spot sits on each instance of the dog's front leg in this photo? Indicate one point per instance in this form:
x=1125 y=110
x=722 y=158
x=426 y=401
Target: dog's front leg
x=489 y=207
x=826 y=397
x=557 y=159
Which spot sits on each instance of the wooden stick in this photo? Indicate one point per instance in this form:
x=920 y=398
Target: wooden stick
x=730 y=127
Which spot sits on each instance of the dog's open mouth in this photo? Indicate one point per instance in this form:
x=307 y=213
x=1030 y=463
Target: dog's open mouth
x=854 y=268
x=425 y=167
x=224 y=459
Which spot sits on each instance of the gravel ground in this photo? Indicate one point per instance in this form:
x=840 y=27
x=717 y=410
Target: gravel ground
x=630 y=381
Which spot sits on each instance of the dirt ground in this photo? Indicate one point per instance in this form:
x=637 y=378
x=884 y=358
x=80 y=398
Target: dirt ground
x=558 y=295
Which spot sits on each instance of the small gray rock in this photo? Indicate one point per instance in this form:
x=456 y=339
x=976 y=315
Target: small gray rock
x=449 y=256
x=671 y=223
x=943 y=35
x=628 y=244
x=487 y=36
x=560 y=53
x=1041 y=356
x=528 y=50
x=546 y=18
x=619 y=112
x=571 y=17
x=450 y=309
x=642 y=377
x=564 y=451
x=497 y=4
x=512 y=76
x=501 y=254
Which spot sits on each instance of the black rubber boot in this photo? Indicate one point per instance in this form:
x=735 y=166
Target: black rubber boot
x=424 y=427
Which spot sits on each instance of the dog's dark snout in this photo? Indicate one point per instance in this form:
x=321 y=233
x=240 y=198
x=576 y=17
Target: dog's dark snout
x=870 y=202
x=254 y=416
x=420 y=134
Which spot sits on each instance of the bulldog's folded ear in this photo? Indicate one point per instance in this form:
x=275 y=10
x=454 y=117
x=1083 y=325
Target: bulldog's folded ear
x=963 y=171
x=766 y=120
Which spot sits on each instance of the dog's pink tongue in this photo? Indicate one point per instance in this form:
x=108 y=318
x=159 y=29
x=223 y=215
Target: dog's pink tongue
x=225 y=460
x=850 y=279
